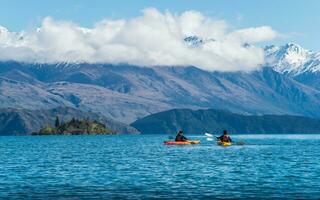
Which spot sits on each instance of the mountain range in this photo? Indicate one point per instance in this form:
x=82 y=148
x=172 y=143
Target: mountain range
x=287 y=84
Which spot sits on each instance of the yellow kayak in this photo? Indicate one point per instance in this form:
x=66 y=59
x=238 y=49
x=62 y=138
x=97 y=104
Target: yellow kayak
x=225 y=144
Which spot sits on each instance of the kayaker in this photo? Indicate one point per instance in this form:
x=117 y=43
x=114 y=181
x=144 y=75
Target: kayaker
x=224 y=137
x=180 y=137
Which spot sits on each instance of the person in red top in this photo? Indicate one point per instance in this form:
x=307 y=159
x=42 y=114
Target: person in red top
x=224 y=137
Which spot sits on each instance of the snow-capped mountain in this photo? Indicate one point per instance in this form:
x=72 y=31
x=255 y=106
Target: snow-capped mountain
x=289 y=84
x=291 y=59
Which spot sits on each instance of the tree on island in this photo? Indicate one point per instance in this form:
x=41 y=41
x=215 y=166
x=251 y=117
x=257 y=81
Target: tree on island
x=57 y=122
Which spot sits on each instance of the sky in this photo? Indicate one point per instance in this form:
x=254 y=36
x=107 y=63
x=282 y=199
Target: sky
x=152 y=32
x=298 y=20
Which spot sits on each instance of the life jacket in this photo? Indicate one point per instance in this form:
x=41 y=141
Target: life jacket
x=225 y=138
x=180 y=138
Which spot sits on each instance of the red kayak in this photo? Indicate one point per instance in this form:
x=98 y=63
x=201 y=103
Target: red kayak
x=182 y=143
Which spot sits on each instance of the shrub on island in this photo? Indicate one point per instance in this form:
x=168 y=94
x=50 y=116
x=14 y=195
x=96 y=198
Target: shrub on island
x=75 y=127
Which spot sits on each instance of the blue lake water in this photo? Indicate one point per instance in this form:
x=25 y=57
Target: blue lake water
x=141 y=167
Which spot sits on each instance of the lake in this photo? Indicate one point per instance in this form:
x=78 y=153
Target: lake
x=141 y=167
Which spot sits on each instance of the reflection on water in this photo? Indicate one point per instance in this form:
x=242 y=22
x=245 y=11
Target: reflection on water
x=139 y=167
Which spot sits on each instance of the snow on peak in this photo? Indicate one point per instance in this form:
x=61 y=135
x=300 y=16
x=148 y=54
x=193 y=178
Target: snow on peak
x=8 y=38
x=291 y=59
x=294 y=54
x=3 y=30
x=195 y=41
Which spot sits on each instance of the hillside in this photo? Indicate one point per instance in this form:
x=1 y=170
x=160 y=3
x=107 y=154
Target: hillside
x=24 y=122
x=214 y=121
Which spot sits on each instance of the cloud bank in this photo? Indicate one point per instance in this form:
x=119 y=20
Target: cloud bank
x=152 y=39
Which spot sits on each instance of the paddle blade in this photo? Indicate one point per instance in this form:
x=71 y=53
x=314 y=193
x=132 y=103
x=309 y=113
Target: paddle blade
x=208 y=135
x=210 y=139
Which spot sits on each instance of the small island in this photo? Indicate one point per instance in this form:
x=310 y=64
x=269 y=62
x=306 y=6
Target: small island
x=75 y=127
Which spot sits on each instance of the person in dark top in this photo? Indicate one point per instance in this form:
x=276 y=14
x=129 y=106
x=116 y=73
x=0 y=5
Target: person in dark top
x=180 y=137
x=224 y=137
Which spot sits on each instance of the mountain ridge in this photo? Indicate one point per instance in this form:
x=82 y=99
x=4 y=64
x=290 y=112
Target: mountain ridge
x=214 y=121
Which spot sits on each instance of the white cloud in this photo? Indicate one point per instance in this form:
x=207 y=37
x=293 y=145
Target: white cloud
x=154 y=38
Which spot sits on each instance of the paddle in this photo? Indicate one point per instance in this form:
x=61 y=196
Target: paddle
x=211 y=136
x=208 y=135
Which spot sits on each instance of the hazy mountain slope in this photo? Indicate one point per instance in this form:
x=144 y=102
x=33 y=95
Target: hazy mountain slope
x=263 y=91
x=23 y=122
x=281 y=92
x=120 y=106
x=311 y=79
x=214 y=121
x=16 y=94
